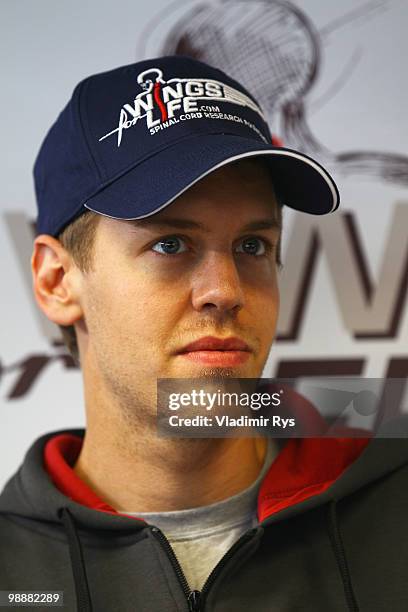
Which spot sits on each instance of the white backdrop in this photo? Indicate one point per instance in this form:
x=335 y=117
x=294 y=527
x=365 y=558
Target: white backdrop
x=351 y=312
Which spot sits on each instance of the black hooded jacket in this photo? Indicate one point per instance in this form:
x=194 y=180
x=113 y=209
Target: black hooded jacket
x=343 y=547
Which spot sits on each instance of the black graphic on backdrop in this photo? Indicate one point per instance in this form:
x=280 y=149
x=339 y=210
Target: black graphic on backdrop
x=276 y=51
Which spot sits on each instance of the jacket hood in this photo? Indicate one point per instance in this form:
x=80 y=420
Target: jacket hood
x=32 y=494
x=307 y=473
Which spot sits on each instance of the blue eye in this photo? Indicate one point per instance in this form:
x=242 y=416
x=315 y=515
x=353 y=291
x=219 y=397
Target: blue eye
x=169 y=246
x=250 y=246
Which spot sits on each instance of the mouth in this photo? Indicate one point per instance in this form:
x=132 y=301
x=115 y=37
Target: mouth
x=217 y=351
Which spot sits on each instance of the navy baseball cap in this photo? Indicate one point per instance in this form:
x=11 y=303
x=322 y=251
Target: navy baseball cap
x=133 y=139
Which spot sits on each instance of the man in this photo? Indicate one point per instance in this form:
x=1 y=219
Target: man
x=160 y=196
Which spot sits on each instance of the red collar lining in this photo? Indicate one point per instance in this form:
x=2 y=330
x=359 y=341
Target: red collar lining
x=299 y=471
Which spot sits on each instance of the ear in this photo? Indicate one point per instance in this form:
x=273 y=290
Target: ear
x=56 y=281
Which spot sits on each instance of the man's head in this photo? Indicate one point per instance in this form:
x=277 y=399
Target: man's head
x=185 y=144
x=142 y=290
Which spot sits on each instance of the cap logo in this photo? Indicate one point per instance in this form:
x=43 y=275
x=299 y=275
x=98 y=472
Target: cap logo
x=163 y=104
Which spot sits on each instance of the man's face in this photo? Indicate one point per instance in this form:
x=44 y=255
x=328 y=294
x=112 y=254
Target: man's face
x=158 y=285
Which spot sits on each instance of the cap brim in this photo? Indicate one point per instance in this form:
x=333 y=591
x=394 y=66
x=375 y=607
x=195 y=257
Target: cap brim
x=300 y=182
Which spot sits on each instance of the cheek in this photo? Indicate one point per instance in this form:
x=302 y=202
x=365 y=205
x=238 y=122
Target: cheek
x=131 y=311
x=267 y=309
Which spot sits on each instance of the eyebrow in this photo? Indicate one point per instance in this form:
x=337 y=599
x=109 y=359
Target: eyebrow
x=259 y=224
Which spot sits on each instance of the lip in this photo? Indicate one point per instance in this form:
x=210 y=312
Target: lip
x=214 y=351
x=211 y=343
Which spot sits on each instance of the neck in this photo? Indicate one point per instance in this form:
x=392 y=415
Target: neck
x=160 y=475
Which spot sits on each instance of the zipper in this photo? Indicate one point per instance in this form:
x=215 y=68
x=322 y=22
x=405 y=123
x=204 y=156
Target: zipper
x=174 y=562
x=195 y=598
x=248 y=535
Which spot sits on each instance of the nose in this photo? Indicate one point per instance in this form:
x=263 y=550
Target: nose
x=217 y=284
